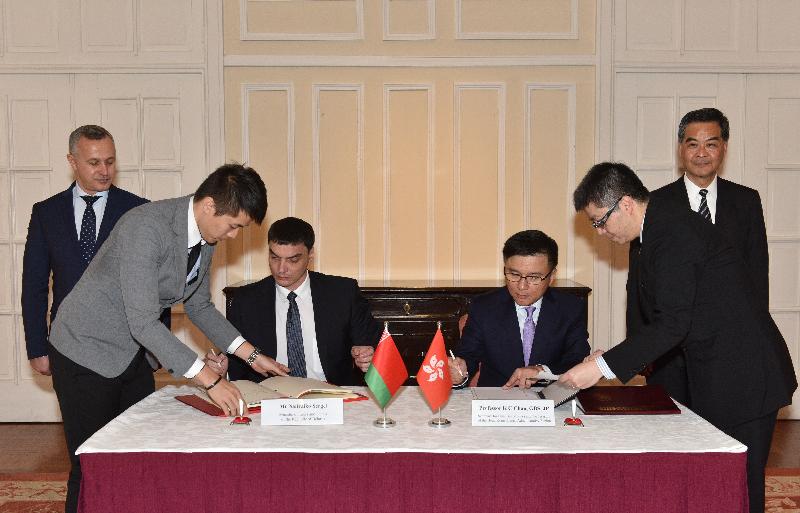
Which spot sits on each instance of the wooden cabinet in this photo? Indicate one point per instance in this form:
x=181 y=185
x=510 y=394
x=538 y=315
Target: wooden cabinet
x=413 y=310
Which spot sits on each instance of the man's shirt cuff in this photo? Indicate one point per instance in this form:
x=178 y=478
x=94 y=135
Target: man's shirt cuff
x=604 y=368
x=195 y=369
x=237 y=342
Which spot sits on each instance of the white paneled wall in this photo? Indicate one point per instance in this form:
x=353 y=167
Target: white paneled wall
x=743 y=57
x=145 y=70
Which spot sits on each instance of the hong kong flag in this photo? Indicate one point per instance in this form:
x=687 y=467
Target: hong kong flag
x=433 y=376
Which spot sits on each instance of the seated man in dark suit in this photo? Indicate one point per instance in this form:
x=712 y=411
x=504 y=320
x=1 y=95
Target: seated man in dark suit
x=523 y=331
x=317 y=324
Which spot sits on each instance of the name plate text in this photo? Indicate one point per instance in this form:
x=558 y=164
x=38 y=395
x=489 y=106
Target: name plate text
x=513 y=412
x=301 y=412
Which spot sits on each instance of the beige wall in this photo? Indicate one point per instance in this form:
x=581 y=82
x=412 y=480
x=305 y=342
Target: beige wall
x=417 y=149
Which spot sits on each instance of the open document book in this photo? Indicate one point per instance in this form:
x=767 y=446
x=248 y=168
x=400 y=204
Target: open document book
x=277 y=387
x=555 y=391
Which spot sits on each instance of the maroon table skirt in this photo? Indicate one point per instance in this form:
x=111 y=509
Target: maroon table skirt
x=410 y=482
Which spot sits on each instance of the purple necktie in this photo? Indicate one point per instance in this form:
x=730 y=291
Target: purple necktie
x=528 y=330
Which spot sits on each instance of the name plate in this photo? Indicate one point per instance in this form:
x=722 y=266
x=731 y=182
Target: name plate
x=301 y=412
x=505 y=412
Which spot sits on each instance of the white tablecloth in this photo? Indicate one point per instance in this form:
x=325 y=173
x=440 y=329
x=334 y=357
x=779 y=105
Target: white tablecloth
x=160 y=423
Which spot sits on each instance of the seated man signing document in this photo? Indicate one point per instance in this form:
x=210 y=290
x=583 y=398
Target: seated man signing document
x=319 y=325
x=523 y=331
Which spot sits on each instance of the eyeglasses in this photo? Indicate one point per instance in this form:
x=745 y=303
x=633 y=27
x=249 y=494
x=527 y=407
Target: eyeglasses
x=531 y=279
x=603 y=220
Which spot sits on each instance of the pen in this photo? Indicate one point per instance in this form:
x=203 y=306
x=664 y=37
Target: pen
x=454 y=359
x=215 y=354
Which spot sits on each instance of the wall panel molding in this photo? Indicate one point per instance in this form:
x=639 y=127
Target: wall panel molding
x=377 y=61
x=458 y=90
x=316 y=178
x=430 y=238
x=429 y=34
x=572 y=33
x=571 y=90
x=246 y=35
x=246 y=91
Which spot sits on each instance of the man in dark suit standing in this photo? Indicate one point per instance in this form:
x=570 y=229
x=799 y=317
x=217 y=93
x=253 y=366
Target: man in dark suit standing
x=694 y=293
x=525 y=330
x=65 y=232
x=317 y=324
x=735 y=209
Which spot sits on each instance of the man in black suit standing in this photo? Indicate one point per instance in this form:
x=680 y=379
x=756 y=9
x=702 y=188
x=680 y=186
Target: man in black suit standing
x=735 y=209
x=523 y=331
x=319 y=325
x=65 y=232
x=694 y=293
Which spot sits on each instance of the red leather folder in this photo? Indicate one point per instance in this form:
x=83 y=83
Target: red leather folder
x=622 y=400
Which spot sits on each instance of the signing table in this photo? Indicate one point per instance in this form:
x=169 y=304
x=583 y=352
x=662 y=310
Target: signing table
x=162 y=455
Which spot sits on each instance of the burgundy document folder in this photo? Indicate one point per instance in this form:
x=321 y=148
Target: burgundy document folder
x=621 y=400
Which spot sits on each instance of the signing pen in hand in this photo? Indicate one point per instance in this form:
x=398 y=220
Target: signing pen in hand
x=457 y=368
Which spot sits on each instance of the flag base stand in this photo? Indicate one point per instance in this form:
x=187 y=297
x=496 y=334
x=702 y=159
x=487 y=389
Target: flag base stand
x=439 y=422
x=384 y=422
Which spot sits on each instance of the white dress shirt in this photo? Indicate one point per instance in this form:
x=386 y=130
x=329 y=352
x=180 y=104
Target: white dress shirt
x=693 y=191
x=522 y=314
x=79 y=207
x=305 y=304
x=194 y=238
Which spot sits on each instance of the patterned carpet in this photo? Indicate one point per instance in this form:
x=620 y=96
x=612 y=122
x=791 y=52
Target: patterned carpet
x=33 y=493
x=783 y=490
x=44 y=493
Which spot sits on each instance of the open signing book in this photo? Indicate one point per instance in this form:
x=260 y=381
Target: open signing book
x=555 y=391
x=276 y=387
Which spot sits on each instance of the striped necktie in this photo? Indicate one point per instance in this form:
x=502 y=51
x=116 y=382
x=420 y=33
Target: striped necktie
x=703 y=210
x=294 y=338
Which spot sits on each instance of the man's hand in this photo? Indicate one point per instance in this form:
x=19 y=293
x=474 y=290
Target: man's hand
x=41 y=365
x=458 y=370
x=592 y=357
x=362 y=356
x=224 y=393
x=217 y=362
x=524 y=377
x=582 y=375
x=268 y=367
x=263 y=364
x=227 y=397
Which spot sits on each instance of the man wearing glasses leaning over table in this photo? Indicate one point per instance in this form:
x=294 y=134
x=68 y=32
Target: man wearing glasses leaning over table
x=516 y=332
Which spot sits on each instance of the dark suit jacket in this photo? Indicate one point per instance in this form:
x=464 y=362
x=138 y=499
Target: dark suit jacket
x=52 y=246
x=341 y=316
x=492 y=339
x=740 y=218
x=693 y=292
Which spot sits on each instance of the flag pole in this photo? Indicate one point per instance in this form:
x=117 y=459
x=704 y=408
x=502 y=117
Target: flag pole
x=384 y=422
x=439 y=422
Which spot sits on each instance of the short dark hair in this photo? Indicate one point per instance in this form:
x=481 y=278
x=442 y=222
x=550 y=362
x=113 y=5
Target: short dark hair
x=531 y=242
x=93 y=132
x=606 y=183
x=708 y=114
x=291 y=230
x=235 y=188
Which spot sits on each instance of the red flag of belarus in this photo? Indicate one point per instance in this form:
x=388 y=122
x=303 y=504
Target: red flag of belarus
x=433 y=377
x=387 y=371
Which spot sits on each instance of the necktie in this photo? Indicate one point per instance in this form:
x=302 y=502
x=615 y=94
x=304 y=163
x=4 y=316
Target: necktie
x=194 y=254
x=88 y=236
x=703 y=210
x=528 y=330
x=294 y=338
